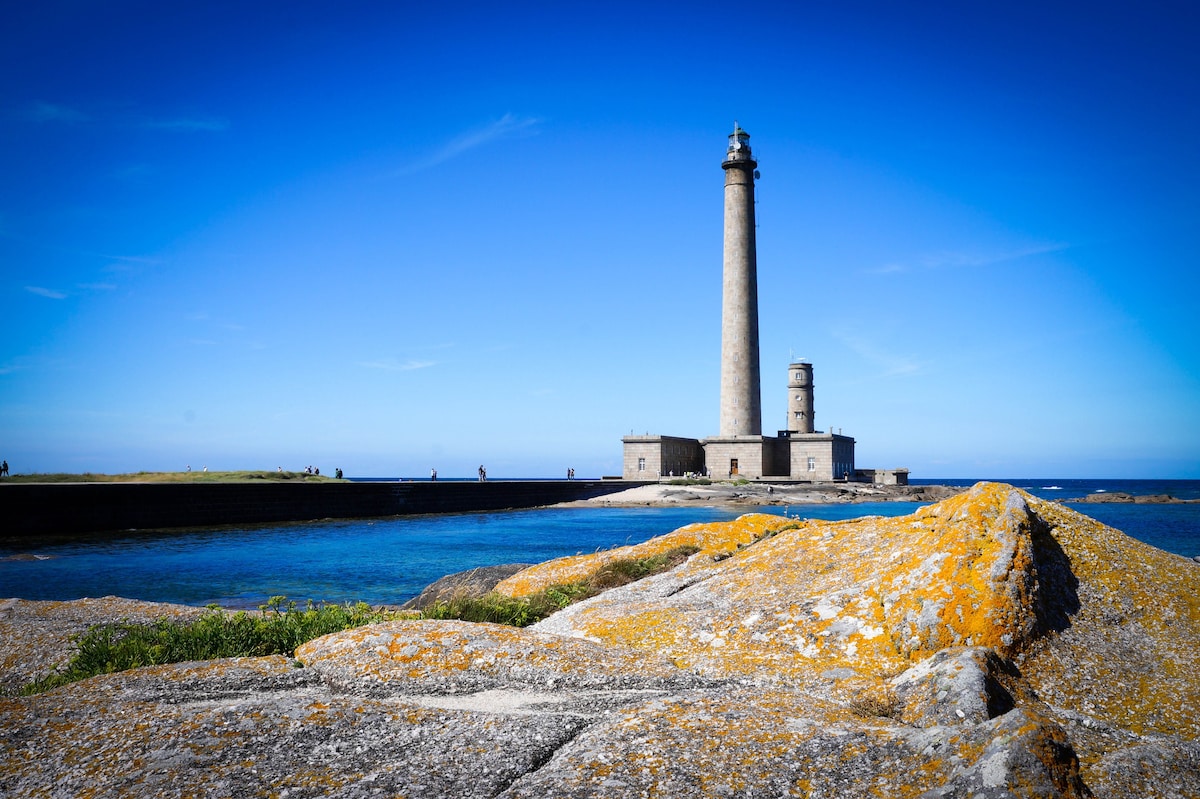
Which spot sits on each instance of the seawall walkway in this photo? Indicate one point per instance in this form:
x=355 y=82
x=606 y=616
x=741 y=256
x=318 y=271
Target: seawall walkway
x=37 y=509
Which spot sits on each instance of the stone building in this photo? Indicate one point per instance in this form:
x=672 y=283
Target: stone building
x=740 y=450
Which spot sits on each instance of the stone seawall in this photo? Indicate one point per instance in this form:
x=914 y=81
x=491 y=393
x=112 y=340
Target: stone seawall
x=28 y=509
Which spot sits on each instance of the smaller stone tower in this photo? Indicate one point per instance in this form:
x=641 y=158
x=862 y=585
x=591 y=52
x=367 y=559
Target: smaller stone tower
x=800 y=398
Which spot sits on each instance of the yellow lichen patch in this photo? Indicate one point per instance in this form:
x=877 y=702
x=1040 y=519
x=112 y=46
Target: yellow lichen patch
x=1128 y=655
x=716 y=539
x=768 y=743
x=858 y=600
x=438 y=650
x=38 y=637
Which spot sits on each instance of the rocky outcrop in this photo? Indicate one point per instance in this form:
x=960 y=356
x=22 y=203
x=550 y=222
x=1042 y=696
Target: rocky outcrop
x=992 y=645
x=1122 y=497
x=472 y=583
x=37 y=636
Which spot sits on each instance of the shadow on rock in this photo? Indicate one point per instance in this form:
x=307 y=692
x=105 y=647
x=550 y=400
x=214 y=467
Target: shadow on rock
x=1057 y=596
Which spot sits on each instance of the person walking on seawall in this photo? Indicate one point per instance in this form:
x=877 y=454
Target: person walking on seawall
x=4 y=469
x=433 y=475
x=482 y=473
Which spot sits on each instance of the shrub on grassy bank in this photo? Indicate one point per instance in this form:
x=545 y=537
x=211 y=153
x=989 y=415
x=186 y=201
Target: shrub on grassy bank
x=502 y=609
x=278 y=630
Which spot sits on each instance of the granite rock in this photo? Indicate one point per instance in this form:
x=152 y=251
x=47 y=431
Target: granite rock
x=991 y=645
x=469 y=584
x=1124 y=497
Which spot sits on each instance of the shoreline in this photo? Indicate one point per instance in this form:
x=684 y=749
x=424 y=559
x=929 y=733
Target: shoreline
x=754 y=494
x=723 y=494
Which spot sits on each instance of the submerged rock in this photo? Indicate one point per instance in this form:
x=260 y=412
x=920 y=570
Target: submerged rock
x=991 y=645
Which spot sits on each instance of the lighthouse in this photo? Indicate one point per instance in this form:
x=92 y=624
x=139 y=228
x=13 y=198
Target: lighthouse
x=798 y=452
x=741 y=396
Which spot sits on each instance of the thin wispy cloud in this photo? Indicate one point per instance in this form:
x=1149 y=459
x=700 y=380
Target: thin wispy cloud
x=12 y=367
x=125 y=263
x=965 y=259
x=133 y=172
x=954 y=259
x=25 y=363
x=206 y=319
x=887 y=269
x=45 y=112
x=889 y=364
x=185 y=124
x=393 y=365
x=505 y=127
x=96 y=286
x=53 y=112
x=41 y=291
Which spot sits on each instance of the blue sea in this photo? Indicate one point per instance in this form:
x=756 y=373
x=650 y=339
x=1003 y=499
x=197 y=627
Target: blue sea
x=388 y=561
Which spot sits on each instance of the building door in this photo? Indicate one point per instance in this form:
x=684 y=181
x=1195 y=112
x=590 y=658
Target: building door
x=733 y=467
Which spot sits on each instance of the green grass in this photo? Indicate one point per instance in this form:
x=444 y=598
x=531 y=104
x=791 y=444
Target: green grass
x=282 y=626
x=278 y=630
x=501 y=609
x=171 y=477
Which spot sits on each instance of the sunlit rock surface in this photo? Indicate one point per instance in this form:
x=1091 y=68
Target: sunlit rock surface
x=991 y=645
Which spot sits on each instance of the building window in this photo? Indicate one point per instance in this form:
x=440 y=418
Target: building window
x=641 y=464
x=812 y=464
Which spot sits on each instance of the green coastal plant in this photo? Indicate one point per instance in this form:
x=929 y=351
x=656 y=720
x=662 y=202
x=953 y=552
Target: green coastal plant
x=277 y=630
x=282 y=626
x=522 y=612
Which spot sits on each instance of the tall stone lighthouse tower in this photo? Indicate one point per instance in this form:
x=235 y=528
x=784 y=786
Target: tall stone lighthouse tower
x=741 y=394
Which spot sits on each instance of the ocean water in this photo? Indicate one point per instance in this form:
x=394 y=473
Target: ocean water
x=387 y=561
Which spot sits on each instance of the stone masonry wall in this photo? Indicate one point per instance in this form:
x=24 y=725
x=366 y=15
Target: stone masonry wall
x=46 y=509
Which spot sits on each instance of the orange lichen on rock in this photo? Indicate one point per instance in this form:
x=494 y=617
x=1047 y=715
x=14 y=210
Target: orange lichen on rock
x=37 y=637
x=716 y=539
x=845 y=602
x=782 y=743
x=1127 y=652
x=992 y=644
x=432 y=655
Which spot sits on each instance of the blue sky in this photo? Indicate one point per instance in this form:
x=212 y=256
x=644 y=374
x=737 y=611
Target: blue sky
x=390 y=236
